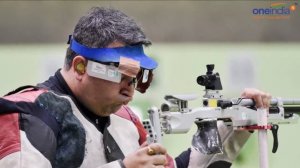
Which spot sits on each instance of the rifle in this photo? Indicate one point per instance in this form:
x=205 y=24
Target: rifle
x=175 y=117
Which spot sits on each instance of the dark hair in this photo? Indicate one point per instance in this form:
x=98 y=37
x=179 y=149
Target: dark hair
x=102 y=26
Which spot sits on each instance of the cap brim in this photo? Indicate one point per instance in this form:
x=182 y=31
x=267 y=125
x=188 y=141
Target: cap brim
x=135 y=52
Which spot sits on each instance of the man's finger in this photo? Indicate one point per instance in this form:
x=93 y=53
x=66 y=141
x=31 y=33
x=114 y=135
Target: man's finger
x=157 y=148
x=159 y=160
x=266 y=100
x=262 y=99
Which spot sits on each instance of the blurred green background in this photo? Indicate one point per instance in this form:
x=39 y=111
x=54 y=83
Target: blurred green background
x=186 y=36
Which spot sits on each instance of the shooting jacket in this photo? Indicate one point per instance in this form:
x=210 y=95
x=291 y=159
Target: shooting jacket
x=45 y=126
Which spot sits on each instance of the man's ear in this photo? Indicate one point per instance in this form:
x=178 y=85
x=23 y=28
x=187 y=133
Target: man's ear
x=79 y=64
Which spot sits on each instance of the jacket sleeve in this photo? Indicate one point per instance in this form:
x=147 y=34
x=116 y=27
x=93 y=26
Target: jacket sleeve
x=22 y=136
x=16 y=151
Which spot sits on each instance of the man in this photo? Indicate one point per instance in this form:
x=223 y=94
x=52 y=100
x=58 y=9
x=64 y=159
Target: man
x=79 y=117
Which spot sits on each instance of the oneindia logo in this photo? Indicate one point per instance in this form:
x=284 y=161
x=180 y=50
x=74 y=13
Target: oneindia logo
x=277 y=10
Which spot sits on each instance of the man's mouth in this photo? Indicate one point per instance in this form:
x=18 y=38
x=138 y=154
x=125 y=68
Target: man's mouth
x=128 y=96
x=126 y=93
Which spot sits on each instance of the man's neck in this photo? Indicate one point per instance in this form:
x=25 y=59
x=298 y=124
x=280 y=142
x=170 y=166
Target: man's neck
x=70 y=81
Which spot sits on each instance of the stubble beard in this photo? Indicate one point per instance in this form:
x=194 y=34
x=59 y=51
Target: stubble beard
x=111 y=109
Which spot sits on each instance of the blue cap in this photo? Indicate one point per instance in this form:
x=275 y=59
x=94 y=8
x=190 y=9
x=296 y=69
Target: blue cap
x=135 y=52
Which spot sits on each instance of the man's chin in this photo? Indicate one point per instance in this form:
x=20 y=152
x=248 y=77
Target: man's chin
x=110 y=110
x=115 y=109
x=127 y=101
